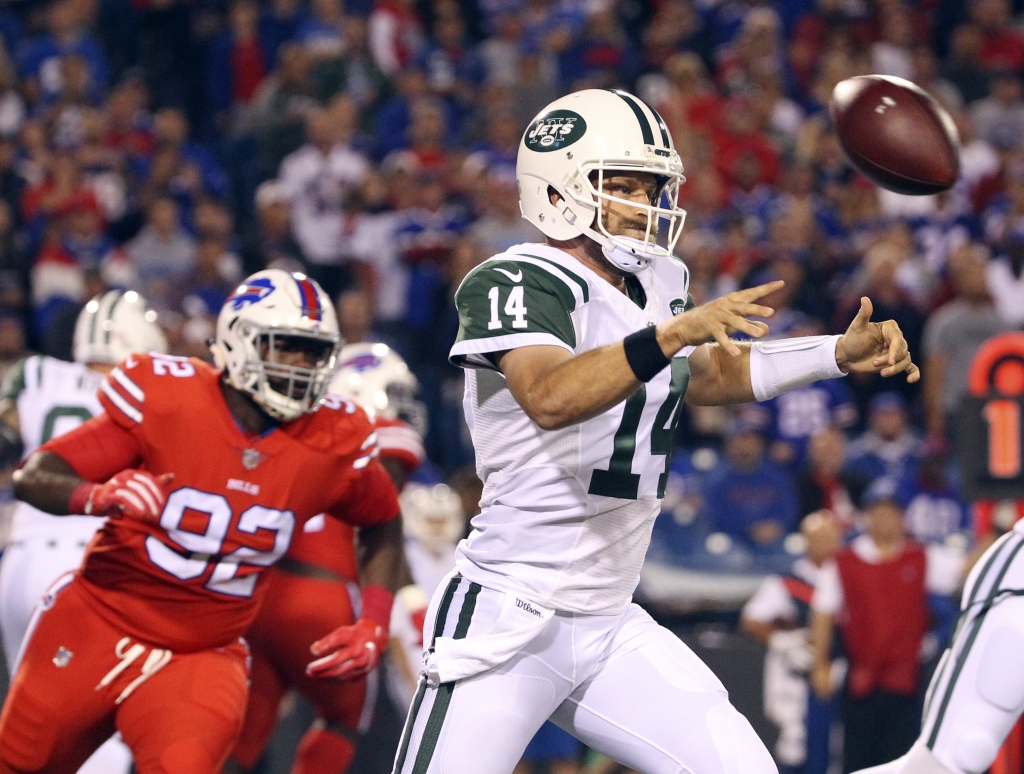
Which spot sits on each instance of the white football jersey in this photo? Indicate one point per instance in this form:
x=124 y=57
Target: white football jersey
x=566 y=514
x=53 y=397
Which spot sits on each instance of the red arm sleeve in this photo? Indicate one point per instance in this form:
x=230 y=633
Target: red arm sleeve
x=368 y=499
x=97 y=449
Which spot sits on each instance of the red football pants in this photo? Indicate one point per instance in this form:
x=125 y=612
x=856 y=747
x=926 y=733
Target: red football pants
x=80 y=679
x=296 y=612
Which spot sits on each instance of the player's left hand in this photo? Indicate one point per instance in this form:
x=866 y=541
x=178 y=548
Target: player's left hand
x=349 y=651
x=875 y=348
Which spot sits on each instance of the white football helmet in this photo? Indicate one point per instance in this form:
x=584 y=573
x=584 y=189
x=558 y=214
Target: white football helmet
x=377 y=378
x=602 y=131
x=271 y=313
x=113 y=325
x=432 y=515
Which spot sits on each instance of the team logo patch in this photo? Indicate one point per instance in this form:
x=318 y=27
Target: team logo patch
x=251 y=292
x=677 y=305
x=555 y=130
x=251 y=458
x=63 y=657
x=362 y=363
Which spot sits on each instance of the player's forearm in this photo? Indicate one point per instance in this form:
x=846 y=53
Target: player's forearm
x=573 y=390
x=758 y=630
x=718 y=378
x=47 y=481
x=821 y=637
x=382 y=555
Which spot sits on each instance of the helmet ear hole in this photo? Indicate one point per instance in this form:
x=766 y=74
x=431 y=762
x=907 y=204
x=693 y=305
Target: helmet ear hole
x=553 y=196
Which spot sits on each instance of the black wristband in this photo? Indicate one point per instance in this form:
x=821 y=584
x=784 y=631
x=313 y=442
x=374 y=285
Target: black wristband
x=644 y=355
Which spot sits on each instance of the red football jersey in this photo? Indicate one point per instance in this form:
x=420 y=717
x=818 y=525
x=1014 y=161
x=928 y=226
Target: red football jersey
x=236 y=501
x=330 y=543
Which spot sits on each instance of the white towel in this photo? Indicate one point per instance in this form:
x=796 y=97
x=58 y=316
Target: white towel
x=518 y=623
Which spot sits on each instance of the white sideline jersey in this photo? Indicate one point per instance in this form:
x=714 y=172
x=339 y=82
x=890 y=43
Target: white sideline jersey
x=566 y=514
x=53 y=398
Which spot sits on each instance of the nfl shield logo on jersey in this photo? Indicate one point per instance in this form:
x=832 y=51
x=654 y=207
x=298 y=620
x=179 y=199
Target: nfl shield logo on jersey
x=63 y=657
x=251 y=458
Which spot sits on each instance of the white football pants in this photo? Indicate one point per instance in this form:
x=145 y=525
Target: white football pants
x=977 y=692
x=621 y=684
x=28 y=568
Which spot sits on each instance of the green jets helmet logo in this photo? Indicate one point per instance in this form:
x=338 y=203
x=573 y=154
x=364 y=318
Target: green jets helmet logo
x=555 y=130
x=677 y=305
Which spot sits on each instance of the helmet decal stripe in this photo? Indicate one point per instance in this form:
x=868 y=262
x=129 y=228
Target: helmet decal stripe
x=310 y=301
x=645 y=124
x=110 y=316
x=661 y=126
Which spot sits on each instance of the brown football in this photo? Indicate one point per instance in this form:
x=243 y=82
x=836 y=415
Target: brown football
x=896 y=134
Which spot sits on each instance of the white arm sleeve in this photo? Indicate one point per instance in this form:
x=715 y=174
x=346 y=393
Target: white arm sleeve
x=780 y=366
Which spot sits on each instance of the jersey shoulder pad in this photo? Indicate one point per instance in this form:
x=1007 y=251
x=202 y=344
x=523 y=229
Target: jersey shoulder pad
x=515 y=300
x=148 y=383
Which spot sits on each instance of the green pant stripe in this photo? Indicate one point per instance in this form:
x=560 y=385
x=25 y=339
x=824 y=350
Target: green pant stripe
x=432 y=731
x=445 y=606
x=410 y=721
x=962 y=620
x=975 y=628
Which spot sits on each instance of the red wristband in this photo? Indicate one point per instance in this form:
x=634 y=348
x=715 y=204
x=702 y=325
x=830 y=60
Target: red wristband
x=79 y=501
x=377 y=602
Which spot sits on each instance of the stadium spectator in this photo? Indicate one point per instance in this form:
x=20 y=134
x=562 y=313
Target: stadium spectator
x=779 y=616
x=935 y=512
x=747 y=496
x=279 y=22
x=1002 y=47
x=320 y=33
x=963 y=67
x=953 y=334
x=272 y=245
x=999 y=118
x=889 y=444
x=826 y=483
x=236 y=62
x=876 y=591
x=39 y=61
x=353 y=73
x=162 y=253
x=280 y=108
x=185 y=168
x=320 y=178
x=396 y=35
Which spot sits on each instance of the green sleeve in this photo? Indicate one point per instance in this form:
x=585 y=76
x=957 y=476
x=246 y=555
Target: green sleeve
x=14 y=381
x=507 y=304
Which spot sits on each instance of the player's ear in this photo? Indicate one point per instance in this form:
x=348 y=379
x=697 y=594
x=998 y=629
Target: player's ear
x=553 y=196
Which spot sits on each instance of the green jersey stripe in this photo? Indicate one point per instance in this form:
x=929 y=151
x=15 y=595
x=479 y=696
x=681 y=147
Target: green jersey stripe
x=14 y=383
x=584 y=287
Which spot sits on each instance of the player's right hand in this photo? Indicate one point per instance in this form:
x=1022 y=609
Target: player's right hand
x=135 y=494
x=717 y=319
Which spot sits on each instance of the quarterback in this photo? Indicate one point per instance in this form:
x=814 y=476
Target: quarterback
x=205 y=474
x=44 y=398
x=577 y=355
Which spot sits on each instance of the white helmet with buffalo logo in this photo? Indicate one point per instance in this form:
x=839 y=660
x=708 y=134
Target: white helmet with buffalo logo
x=599 y=131
x=379 y=381
x=272 y=313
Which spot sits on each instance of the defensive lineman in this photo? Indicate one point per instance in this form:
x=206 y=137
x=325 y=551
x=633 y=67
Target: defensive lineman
x=578 y=352
x=977 y=692
x=44 y=398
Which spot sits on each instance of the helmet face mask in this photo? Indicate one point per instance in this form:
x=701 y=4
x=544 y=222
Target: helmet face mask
x=278 y=341
x=378 y=379
x=578 y=141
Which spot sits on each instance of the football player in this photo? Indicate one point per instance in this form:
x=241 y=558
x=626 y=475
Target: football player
x=578 y=353
x=44 y=398
x=977 y=692
x=313 y=589
x=206 y=474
